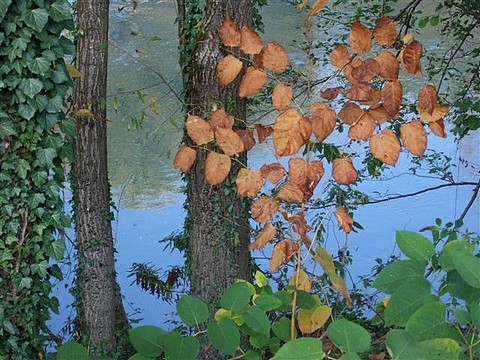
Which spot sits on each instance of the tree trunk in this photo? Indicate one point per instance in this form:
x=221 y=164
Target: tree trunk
x=217 y=223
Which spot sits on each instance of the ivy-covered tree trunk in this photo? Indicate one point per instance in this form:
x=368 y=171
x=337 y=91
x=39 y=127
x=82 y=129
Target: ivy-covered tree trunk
x=217 y=223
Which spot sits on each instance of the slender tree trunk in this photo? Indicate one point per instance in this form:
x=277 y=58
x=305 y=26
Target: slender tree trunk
x=217 y=222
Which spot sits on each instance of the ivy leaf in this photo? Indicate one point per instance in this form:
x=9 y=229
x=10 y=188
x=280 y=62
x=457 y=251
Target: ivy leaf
x=36 y=200
x=4 y=4
x=60 y=10
x=57 y=250
x=36 y=19
x=26 y=111
x=68 y=127
x=6 y=127
x=39 y=66
x=31 y=87
x=46 y=156
x=40 y=268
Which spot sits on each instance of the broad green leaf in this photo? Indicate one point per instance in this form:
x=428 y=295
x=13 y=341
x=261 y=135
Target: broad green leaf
x=415 y=246
x=224 y=336
x=260 y=279
x=179 y=347
x=282 y=329
x=267 y=302
x=68 y=127
x=192 y=311
x=147 y=340
x=39 y=65
x=26 y=111
x=446 y=259
x=257 y=320
x=25 y=283
x=441 y=349
x=139 y=357
x=7 y=127
x=236 y=297
x=398 y=272
x=259 y=340
x=305 y=300
x=72 y=351
x=323 y=257
x=348 y=336
x=286 y=298
x=36 y=19
x=60 y=10
x=401 y=346
x=58 y=250
x=459 y=288
x=55 y=104
x=301 y=349
x=475 y=314
x=468 y=266
x=462 y=316
x=4 y=4
x=350 y=356
x=40 y=268
x=252 y=355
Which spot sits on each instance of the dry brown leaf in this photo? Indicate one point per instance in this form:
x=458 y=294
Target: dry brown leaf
x=414 y=137
x=264 y=208
x=338 y=284
x=282 y=97
x=324 y=120
x=411 y=56
x=291 y=193
x=376 y=96
x=290 y=133
x=351 y=113
x=228 y=69
x=360 y=92
x=252 y=82
x=362 y=129
x=299 y=224
x=438 y=128
x=199 y=130
x=366 y=70
x=217 y=167
x=385 y=32
x=389 y=67
x=331 y=93
x=257 y=60
x=343 y=171
x=392 y=95
x=379 y=114
x=268 y=233
x=344 y=219
x=385 y=147
x=229 y=32
x=275 y=58
x=273 y=172
x=356 y=62
x=317 y=6
x=282 y=253
x=310 y=320
x=305 y=175
x=251 y=42
x=247 y=138
x=263 y=132
x=229 y=141
x=360 y=38
x=439 y=111
x=427 y=98
x=301 y=5
x=407 y=38
x=249 y=182
x=219 y=118
x=339 y=57
x=184 y=159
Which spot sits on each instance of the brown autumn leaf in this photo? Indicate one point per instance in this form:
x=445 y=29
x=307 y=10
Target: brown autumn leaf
x=229 y=32
x=389 y=67
x=305 y=175
x=356 y=62
x=228 y=69
x=414 y=137
x=360 y=38
x=249 y=182
x=339 y=57
x=257 y=60
x=351 y=113
x=263 y=132
x=376 y=98
x=247 y=138
x=385 y=31
x=408 y=37
x=427 y=98
x=385 y=147
x=199 y=130
x=438 y=128
x=275 y=58
x=379 y=114
x=324 y=120
x=251 y=42
x=282 y=97
x=220 y=118
x=252 y=82
x=266 y=234
x=392 y=95
x=310 y=320
x=282 y=253
x=343 y=171
x=317 y=6
x=344 y=219
x=366 y=70
x=411 y=56
x=291 y=193
x=299 y=224
x=339 y=285
x=290 y=133
x=439 y=111
x=301 y=5
x=363 y=128
x=273 y=172
x=184 y=159
x=229 y=141
x=264 y=208
x=217 y=167
x=331 y=93
x=360 y=92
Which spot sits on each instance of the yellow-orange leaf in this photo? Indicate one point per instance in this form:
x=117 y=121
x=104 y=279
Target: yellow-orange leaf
x=392 y=94
x=268 y=233
x=385 y=147
x=439 y=111
x=304 y=282
x=438 y=128
x=427 y=98
x=282 y=97
x=273 y=172
x=411 y=56
x=389 y=67
x=247 y=138
x=407 y=38
x=249 y=182
x=323 y=257
x=376 y=98
x=228 y=69
x=379 y=114
x=360 y=38
x=360 y=92
x=351 y=113
x=264 y=208
x=339 y=56
x=217 y=167
x=291 y=193
x=331 y=93
x=362 y=129
x=252 y=82
x=290 y=133
x=385 y=32
x=366 y=70
x=275 y=57
x=251 y=42
x=338 y=284
x=317 y=6
x=229 y=141
x=219 y=118
x=282 y=253
x=301 y=5
x=263 y=132
x=414 y=137
x=184 y=159
x=356 y=62
x=344 y=219
x=199 y=130
x=324 y=120
x=343 y=171
x=310 y=320
x=229 y=32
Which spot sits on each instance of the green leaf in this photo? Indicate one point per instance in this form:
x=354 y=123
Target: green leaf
x=60 y=10
x=446 y=259
x=224 y=336
x=179 y=347
x=72 y=351
x=462 y=316
x=305 y=300
x=55 y=104
x=259 y=340
x=236 y=297
x=441 y=349
x=282 y=329
x=415 y=246
x=350 y=356
x=401 y=346
x=267 y=302
x=58 y=250
x=4 y=4
x=26 y=111
x=467 y=266
x=348 y=336
x=139 y=357
x=459 y=288
x=260 y=279
x=31 y=87
x=252 y=355
x=475 y=314
x=25 y=283
x=192 y=311
x=398 y=272
x=301 y=349
x=36 y=19
x=7 y=127
x=286 y=298
x=68 y=127
x=147 y=340
x=46 y=156
x=39 y=65
x=257 y=320
x=40 y=268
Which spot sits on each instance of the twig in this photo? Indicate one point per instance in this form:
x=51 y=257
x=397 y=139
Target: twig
x=472 y=200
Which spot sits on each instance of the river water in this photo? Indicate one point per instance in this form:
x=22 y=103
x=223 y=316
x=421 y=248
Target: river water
x=147 y=190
